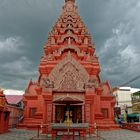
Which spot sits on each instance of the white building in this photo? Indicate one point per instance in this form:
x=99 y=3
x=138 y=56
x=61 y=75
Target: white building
x=124 y=99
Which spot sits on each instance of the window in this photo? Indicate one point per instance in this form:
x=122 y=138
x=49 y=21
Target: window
x=32 y=112
x=105 y=112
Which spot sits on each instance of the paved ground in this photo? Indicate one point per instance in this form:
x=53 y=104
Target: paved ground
x=106 y=135
x=121 y=135
x=16 y=134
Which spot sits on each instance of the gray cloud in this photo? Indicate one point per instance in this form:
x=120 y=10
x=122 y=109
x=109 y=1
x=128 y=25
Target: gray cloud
x=10 y=45
x=24 y=27
x=120 y=54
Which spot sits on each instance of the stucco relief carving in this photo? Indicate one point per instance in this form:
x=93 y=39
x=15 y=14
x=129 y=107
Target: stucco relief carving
x=50 y=57
x=92 y=83
x=59 y=52
x=68 y=82
x=45 y=82
x=62 y=38
x=57 y=96
x=48 y=83
x=69 y=75
x=69 y=47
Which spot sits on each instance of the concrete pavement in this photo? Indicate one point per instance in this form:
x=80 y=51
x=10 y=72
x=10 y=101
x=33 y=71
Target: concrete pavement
x=121 y=134
x=16 y=134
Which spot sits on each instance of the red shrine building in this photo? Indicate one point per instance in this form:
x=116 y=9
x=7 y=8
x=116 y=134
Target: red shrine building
x=69 y=84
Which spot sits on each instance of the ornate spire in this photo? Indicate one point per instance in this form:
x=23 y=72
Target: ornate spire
x=69 y=31
x=70 y=0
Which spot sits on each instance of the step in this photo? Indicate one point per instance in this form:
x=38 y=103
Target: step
x=28 y=120
x=21 y=126
x=107 y=127
x=38 y=115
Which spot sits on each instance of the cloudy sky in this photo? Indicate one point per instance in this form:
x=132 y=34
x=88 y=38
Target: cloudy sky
x=113 y=24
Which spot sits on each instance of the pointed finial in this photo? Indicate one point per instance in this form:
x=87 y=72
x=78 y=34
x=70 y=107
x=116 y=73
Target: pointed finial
x=69 y=57
x=69 y=41
x=70 y=0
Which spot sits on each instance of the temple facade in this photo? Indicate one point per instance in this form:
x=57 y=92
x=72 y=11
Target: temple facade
x=69 y=87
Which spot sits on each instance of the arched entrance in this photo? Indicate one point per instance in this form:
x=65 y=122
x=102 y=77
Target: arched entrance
x=68 y=107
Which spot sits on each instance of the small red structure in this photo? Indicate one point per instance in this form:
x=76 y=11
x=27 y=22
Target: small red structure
x=69 y=89
x=15 y=106
x=4 y=113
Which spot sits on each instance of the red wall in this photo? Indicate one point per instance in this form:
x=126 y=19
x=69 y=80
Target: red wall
x=15 y=113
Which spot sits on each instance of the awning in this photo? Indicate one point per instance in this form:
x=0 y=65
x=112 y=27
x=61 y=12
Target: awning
x=132 y=115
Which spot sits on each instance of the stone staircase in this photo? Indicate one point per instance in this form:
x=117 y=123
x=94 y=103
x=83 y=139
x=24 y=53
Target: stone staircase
x=107 y=125
x=31 y=123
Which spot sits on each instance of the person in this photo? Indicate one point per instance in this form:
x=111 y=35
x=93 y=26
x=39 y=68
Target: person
x=116 y=119
x=120 y=121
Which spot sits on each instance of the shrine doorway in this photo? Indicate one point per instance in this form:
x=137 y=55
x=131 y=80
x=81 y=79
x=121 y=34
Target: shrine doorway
x=65 y=112
x=68 y=109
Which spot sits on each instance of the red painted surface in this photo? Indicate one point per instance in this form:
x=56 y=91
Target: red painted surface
x=15 y=114
x=69 y=73
x=4 y=113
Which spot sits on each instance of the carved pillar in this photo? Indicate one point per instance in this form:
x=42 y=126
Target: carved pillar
x=97 y=101
x=92 y=113
x=48 y=109
x=88 y=107
x=83 y=114
x=49 y=113
x=97 y=104
x=87 y=112
x=54 y=111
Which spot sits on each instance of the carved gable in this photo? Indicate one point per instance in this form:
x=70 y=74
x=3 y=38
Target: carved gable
x=69 y=81
x=69 y=75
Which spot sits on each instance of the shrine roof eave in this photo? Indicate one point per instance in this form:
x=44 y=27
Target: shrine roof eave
x=65 y=102
x=64 y=91
x=70 y=100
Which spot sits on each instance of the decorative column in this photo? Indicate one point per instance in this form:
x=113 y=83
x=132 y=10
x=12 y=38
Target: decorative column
x=97 y=103
x=54 y=111
x=92 y=112
x=49 y=112
x=89 y=107
x=87 y=112
x=83 y=114
x=48 y=109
